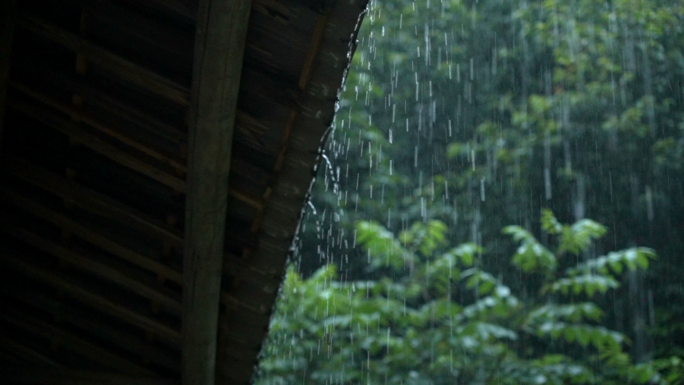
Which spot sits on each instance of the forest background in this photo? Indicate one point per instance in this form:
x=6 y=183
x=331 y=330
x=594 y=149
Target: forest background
x=460 y=118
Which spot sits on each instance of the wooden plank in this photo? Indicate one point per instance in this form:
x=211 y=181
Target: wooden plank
x=219 y=48
x=85 y=321
x=245 y=198
x=89 y=263
x=90 y=235
x=126 y=70
x=90 y=200
x=188 y=9
x=95 y=123
x=73 y=377
x=71 y=342
x=7 y=21
x=130 y=113
x=185 y=8
x=78 y=133
x=234 y=302
x=125 y=110
x=93 y=300
x=245 y=271
x=27 y=353
x=314 y=47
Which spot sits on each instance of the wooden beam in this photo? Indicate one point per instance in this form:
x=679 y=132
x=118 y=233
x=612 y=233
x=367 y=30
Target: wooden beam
x=85 y=262
x=51 y=278
x=126 y=70
x=185 y=8
x=77 y=133
x=312 y=54
x=90 y=200
x=90 y=235
x=219 y=48
x=104 y=128
x=125 y=110
x=7 y=20
x=188 y=9
x=84 y=320
x=27 y=353
x=71 y=342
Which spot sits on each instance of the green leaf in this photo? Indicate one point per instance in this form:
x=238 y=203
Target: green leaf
x=588 y=283
x=575 y=312
x=466 y=253
x=577 y=238
x=531 y=255
x=480 y=280
x=549 y=222
x=382 y=247
x=601 y=338
x=615 y=262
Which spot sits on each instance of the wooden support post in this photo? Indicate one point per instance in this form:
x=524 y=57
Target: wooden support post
x=7 y=20
x=219 y=49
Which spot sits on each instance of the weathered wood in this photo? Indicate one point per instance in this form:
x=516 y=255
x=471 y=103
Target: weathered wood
x=94 y=122
x=90 y=199
x=84 y=321
x=219 y=48
x=121 y=67
x=88 y=263
x=245 y=271
x=123 y=110
x=73 y=377
x=27 y=353
x=71 y=342
x=185 y=8
x=51 y=278
x=233 y=302
x=314 y=47
x=188 y=9
x=245 y=198
x=77 y=133
x=7 y=21
x=90 y=235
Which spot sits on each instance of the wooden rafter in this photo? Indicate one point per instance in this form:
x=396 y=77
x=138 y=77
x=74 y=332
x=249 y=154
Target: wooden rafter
x=123 y=110
x=99 y=126
x=63 y=339
x=219 y=48
x=89 y=263
x=76 y=133
x=90 y=235
x=129 y=71
x=89 y=298
x=90 y=200
x=26 y=353
x=80 y=319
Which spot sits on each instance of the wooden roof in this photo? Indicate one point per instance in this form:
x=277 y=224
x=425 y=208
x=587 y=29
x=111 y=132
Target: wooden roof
x=150 y=185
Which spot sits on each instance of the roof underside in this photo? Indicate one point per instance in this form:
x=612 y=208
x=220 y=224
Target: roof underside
x=93 y=163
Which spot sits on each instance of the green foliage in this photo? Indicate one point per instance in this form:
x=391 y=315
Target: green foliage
x=478 y=114
x=588 y=284
x=441 y=318
x=615 y=262
x=531 y=256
